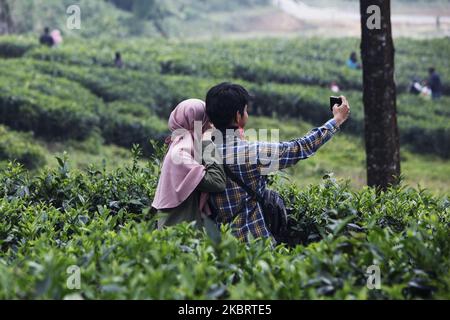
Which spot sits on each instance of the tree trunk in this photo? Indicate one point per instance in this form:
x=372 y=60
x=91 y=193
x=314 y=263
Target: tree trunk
x=381 y=131
x=6 y=24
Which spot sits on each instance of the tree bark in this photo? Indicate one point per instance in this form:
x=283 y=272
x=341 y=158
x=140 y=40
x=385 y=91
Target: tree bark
x=381 y=130
x=6 y=23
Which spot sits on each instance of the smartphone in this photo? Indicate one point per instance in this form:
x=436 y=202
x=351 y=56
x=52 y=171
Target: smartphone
x=333 y=101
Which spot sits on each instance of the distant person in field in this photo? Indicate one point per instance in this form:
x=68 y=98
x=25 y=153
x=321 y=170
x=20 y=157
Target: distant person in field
x=185 y=183
x=46 y=38
x=425 y=93
x=248 y=162
x=434 y=83
x=334 y=87
x=415 y=87
x=57 y=37
x=352 y=61
x=118 y=63
x=420 y=88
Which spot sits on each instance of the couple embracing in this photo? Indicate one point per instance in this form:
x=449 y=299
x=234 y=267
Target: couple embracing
x=227 y=181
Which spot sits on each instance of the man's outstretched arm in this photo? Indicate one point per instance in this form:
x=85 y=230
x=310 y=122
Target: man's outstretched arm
x=275 y=156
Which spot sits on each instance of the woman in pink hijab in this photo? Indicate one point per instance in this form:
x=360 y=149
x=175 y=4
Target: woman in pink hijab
x=187 y=176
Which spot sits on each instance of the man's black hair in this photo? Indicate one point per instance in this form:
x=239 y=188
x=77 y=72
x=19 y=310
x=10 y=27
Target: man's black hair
x=46 y=30
x=224 y=101
x=431 y=70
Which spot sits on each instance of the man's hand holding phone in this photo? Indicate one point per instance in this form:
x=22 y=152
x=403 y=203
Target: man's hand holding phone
x=341 y=112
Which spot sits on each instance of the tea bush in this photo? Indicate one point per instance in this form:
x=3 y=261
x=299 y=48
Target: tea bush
x=50 y=107
x=15 y=47
x=100 y=222
x=57 y=108
x=159 y=75
x=419 y=120
x=287 y=78
x=291 y=61
x=125 y=124
x=158 y=93
x=20 y=147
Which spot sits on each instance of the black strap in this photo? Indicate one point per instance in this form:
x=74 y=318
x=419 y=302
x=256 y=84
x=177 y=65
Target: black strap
x=242 y=184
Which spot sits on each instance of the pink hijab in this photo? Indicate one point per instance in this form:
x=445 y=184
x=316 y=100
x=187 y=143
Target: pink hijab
x=180 y=173
x=57 y=37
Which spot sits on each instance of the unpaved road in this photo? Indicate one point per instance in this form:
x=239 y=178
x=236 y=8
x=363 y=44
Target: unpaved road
x=305 y=12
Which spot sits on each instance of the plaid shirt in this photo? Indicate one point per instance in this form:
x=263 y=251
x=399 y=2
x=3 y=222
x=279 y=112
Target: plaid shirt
x=234 y=206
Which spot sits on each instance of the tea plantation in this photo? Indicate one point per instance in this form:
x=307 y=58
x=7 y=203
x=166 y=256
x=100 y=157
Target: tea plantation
x=288 y=78
x=99 y=219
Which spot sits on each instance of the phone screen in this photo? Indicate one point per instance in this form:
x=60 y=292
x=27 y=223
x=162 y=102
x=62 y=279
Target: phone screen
x=335 y=100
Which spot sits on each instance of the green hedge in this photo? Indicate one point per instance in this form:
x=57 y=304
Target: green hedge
x=126 y=124
x=22 y=148
x=50 y=107
x=48 y=117
x=159 y=93
x=160 y=75
x=162 y=92
x=291 y=61
x=423 y=124
x=15 y=47
x=58 y=108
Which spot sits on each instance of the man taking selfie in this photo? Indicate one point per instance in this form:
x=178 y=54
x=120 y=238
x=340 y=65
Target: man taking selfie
x=246 y=202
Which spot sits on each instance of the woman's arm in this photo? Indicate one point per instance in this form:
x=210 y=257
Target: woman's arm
x=214 y=179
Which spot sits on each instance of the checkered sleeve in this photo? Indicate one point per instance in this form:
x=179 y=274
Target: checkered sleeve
x=276 y=156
